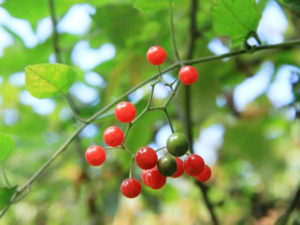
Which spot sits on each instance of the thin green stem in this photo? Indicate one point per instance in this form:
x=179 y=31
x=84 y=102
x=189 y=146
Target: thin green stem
x=70 y=101
x=55 y=33
x=169 y=119
x=175 y=50
x=126 y=150
x=5 y=176
x=162 y=148
x=131 y=167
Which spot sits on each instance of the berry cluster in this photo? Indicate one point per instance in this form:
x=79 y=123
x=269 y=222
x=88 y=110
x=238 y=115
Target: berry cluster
x=154 y=171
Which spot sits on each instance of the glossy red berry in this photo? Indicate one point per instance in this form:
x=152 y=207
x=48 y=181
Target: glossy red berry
x=154 y=179
x=125 y=112
x=179 y=170
x=146 y=158
x=131 y=188
x=113 y=136
x=188 y=75
x=144 y=176
x=95 y=155
x=205 y=175
x=193 y=165
x=156 y=55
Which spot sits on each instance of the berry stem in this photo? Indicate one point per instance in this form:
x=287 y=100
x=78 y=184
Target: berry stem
x=169 y=119
x=131 y=166
x=157 y=150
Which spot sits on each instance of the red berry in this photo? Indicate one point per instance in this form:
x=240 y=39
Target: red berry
x=143 y=176
x=146 y=158
x=193 y=165
x=125 y=112
x=188 y=75
x=180 y=170
x=156 y=55
x=95 y=155
x=113 y=136
x=205 y=175
x=154 y=179
x=131 y=188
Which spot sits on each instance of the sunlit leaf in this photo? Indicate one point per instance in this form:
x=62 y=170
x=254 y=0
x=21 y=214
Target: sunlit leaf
x=48 y=80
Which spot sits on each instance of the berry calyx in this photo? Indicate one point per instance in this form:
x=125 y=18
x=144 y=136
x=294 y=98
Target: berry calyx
x=125 y=112
x=193 y=165
x=156 y=55
x=179 y=170
x=131 y=188
x=95 y=155
x=167 y=165
x=205 y=175
x=177 y=144
x=146 y=158
x=188 y=75
x=154 y=179
x=113 y=136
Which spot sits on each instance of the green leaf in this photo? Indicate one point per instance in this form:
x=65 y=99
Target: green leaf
x=7 y=144
x=5 y=196
x=293 y=5
x=151 y=5
x=48 y=80
x=35 y=10
x=235 y=18
x=127 y=22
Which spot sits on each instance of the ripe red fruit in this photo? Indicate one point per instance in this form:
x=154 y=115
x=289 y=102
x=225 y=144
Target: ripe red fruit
x=179 y=170
x=95 y=155
x=131 y=188
x=113 y=136
x=154 y=179
x=193 y=165
x=146 y=158
x=188 y=75
x=205 y=175
x=143 y=176
x=156 y=55
x=125 y=112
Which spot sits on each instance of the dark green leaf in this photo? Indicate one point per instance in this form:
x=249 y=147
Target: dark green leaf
x=5 y=196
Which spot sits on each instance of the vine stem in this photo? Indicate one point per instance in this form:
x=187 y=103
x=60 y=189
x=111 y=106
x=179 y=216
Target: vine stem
x=55 y=33
x=103 y=110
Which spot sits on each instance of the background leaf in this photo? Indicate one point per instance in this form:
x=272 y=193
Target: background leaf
x=235 y=18
x=151 y=5
x=48 y=80
x=7 y=144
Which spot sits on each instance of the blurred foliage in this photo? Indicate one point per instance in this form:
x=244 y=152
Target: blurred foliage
x=257 y=164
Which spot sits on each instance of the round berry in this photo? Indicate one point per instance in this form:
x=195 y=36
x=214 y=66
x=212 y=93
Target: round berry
x=146 y=158
x=179 y=170
x=144 y=176
x=167 y=165
x=95 y=155
x=131 y=188
x=177 y=144
x=193 y=165
x=188 y=75
x=205 y=175
x=125 y=112
x=156 y=55
x=154 y=179
x=113 y=136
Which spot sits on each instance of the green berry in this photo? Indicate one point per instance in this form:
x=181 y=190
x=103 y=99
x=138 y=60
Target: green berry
x=177 y=144
x=167 y=165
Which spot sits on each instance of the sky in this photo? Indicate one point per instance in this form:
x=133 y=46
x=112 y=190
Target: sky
x=77 y=21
